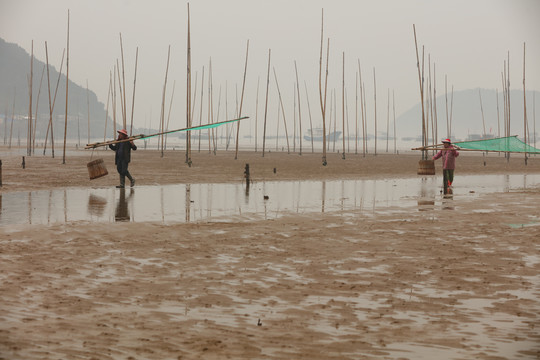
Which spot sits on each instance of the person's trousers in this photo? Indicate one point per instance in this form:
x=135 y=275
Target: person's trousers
x=448 y=176
x=122 y=168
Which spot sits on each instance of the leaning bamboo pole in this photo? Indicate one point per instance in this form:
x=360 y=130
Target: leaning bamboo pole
x=30 y=83
x=387 y=118
x=51 y=104
x=123 y=100
x=420 y=79
x=107 y=108
x=169 y=113
x=299 y=106
x=266 y=102
x=162 y=118
x=36 y=112
x=310 y=119
x=201 y=109
x=134 y=84
x=67 y=83
x=241 y=102
x=283 y=112
x=362 y=112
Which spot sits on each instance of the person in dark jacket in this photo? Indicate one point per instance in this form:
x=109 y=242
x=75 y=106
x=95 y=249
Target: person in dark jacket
x=123 y=157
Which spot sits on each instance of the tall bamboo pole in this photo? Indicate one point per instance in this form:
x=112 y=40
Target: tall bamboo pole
x=525 y=124
x=241 y=101
x=356 y=114
x=299 y=106
x=482 y=112
x=162 y=122
x=387 y=118
x=67 y=83
x=375 y=110
x=310 y=119
x=362 y=113
x=210 y=105
x=283 y=112
x=51 y=103
x=420 y=79
x=323 y=101
x=189 y=115
x=394 y=109
x=201 y=110
x=88 y=108
x=134 y=84
x=266 y=102
x=12 y=119
x=30 y=84
x=36 y=117
x=109 y=95
x=124 y=108
x=343 y=104
x=169 y=113
x=115 y=69
x=257 y=112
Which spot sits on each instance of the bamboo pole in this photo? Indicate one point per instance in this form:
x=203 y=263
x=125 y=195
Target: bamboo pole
x=12 y=119
x=36 y=117
x=257 y=112
x=420 y=79
x=189 y=115
x=266 y=102
x=394 y=109
x=294 y=117
x=30 y=84
x=375 y=111
x=241 y=101
x=115 y=69
x=209 y=113
x=323 y=101
x=310 y=119
x=169 y=114
x=283 y=112
x=123 y=100
x=134 y=84
x=525 y=124
x=88 y=108
x=482 y=112
x=67 y=83
x=343 y=104
x=299 y=106
x=51 y=104
x=356 y=114
x=107 y=108
x=362 y=113
x=162 y=118
x=201 y=110
x=387 y=118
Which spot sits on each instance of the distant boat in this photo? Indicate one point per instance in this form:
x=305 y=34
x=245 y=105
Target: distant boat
x=318 y=135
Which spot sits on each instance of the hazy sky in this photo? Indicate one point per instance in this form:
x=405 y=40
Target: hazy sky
x=468 y=40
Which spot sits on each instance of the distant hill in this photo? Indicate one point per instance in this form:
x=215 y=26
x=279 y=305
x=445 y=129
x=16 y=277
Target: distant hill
x=14 y=96
x=467 y=114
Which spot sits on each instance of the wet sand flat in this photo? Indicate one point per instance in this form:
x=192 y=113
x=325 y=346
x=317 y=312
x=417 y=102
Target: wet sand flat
x=459 y=279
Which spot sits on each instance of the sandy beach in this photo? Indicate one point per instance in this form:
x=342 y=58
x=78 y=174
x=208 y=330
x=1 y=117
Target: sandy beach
x=459 y=280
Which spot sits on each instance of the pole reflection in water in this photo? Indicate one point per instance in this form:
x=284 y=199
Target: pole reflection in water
x=223 y=202
x=188 y=203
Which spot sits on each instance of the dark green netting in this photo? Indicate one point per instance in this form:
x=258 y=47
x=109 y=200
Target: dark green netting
x=504 y=144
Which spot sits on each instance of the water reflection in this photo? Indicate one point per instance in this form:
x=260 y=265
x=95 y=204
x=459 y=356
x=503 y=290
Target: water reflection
x=264 y=200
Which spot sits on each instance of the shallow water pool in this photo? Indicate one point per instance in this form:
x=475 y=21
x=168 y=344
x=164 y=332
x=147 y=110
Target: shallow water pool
x=261 y=200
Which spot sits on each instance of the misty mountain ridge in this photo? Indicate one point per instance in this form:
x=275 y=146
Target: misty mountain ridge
x=465 y=109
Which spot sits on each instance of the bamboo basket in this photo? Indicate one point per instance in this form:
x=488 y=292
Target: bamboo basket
x=426 y=167
x=96 y=169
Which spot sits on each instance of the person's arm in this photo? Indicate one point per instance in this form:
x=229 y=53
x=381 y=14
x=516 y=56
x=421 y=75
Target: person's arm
x=132 y=145
x=438 y=155
x=112 y=147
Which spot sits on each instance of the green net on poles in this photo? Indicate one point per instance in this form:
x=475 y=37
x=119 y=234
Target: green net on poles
x=504 y=144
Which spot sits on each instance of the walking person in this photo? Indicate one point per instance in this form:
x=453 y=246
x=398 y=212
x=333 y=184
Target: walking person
x=449 y=154
x=123 y=157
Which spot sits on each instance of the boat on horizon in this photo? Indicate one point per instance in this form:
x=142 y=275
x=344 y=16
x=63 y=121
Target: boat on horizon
x=318 y=134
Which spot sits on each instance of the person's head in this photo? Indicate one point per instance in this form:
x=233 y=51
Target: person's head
x=446 y=143
x=122 y=134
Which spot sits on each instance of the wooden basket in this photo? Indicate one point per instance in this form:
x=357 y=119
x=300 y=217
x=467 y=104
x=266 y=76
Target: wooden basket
x=426 y=167
x=96 y=169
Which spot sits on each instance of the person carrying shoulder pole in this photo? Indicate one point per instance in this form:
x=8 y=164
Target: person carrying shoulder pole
x=449 y=154
x=123 y=157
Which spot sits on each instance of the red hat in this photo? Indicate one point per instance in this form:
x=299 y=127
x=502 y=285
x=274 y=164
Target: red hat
x=123 y=131
x=446 y=141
